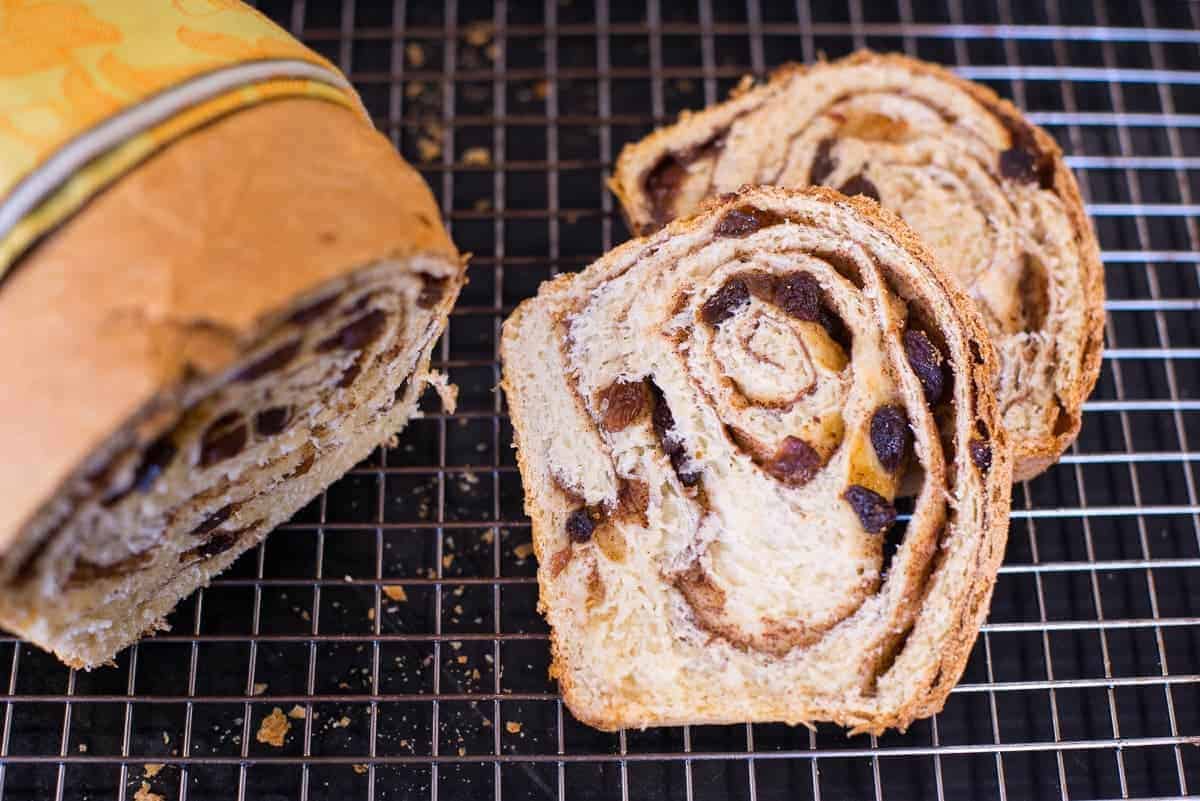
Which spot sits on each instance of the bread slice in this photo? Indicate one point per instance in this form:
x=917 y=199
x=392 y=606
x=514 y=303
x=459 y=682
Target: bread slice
x=986 y=190
x=713 y=424
x=197 y=354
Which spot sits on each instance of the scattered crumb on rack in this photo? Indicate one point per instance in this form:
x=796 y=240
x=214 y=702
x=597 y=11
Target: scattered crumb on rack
x=274 y=728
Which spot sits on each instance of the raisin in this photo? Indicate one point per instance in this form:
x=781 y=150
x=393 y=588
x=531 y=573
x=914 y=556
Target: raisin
x=215 y=519
x=270 y=422
x=432 y=289
x=360 y=303
x=679 y=457
x=621 y=403
x=744 y=221
x=350 y=373
x=799 y=295
x=662 y=183
x=154 y=463
x=275 y=360
x=661 y=418
x=873 y=510
x=926 y=361
x=725 y=301
x=217 y=545
x=860 y=185
x=981 y=453
x=1018 y=164
x=358 y=333
x=836 y=329
x=580 y=525
x=312 y=311
x=823 y=164
x=223 y=439
x=794 y=463
x=890 y=436
x=663 y=422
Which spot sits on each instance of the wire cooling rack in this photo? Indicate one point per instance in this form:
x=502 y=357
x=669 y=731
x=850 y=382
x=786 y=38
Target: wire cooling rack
x=395 y=617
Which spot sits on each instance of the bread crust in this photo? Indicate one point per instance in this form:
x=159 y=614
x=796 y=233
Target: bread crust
x=544 y=501
x=145 y=301
x=1033 y=455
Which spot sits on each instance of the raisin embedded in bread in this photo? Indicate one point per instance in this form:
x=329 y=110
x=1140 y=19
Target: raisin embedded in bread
x=986 y=190
x=714 y=424
x=208 y=345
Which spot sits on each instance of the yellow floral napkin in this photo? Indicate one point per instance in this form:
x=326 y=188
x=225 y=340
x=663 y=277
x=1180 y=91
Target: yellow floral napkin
x=91 y=88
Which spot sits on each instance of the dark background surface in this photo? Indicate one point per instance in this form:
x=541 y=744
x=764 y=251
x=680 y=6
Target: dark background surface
x=1086 y=681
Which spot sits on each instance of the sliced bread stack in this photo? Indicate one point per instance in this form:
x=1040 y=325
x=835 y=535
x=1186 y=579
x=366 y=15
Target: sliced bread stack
x=716 y=422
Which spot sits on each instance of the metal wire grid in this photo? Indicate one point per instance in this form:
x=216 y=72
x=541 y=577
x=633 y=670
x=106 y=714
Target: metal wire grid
x=1085 y=683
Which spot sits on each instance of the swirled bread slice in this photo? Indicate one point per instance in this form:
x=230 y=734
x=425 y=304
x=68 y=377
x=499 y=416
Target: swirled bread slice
x=195 y=356
x=713 y=424
x=986 y=190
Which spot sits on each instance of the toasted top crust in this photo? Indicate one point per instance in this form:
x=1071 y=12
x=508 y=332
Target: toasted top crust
x=695 y=415
x=169 y=273
x=988 y=191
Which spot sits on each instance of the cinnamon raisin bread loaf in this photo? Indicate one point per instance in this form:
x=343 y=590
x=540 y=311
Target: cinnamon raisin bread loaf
x=714 y=423
x=985 y=189
x=198 y=353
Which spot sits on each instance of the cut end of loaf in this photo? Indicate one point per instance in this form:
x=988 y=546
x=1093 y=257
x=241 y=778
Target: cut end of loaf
x=179 y=493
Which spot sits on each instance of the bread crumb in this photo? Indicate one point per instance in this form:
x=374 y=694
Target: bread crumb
x=274 y=728
x=512 y=727
x=476 y=157
x=428 y=149
x=371 y=614
x=359 y=769
x=488 y=537
x=541 y=89
x=478 y=33
x=456 y=644
x=462 y=660
x=341 y=722
x=743 y=86
x=447 y=560
x=395 y=592
x=487 y=723
x=413 y=89
x=297 y=712
x=83 y=748
x=259 y=688
x=415 y=54
x=144 y=794
x=151 y=769
x=462 y=751
x=482 y=204
x=523 y=551
x=166 y=738
x=492 y=52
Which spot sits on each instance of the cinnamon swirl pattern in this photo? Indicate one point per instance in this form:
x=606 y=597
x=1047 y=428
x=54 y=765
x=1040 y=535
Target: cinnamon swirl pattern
x=987 y=191
x=716 y=425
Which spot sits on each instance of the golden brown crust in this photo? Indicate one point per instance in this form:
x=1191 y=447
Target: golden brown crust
x=1032 y=455
x=170 y=273
x=945 y=665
